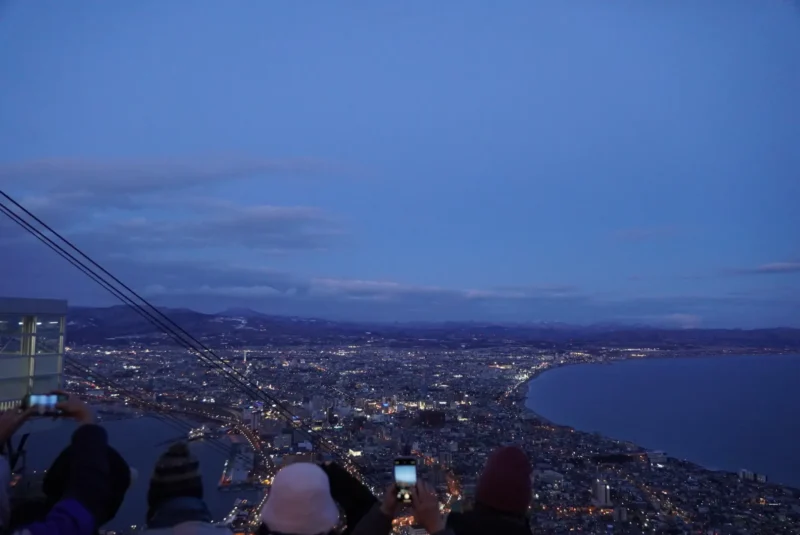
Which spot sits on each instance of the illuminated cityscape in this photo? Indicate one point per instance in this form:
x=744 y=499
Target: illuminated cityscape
x=363 y=405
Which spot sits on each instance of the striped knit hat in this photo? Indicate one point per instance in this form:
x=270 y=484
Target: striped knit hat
x=176 y=475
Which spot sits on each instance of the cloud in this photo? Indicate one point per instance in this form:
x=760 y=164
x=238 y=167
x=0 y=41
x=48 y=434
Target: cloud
x=553 y=290
x=186 y=278
x=645 y=234
x=768 y=269
x=273 y=229
x=683 y=321
x=65 y=192
x=249 y=292
x=146 y=205
x=185 y=281
x=265 y=229
x=388 y=290
x=358 y=299
x=212 y=286
x=122 y=177
x=137 y=218
x=675 y=320
x=370 y=289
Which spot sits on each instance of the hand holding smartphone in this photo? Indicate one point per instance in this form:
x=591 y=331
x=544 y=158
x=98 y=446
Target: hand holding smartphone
x=405 y=477
x=44 y=404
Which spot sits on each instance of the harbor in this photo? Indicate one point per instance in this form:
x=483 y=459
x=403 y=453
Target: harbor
x=243 y=517
x=239 y=471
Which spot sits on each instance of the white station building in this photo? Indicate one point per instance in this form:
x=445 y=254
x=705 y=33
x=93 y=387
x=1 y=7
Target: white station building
x=31 y=348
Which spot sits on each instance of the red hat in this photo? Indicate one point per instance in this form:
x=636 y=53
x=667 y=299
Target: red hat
x=505 y=484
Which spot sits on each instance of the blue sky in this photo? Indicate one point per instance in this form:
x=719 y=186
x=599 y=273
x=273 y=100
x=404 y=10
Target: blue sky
x=572 y=161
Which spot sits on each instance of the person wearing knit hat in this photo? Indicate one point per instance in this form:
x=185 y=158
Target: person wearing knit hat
x=300 y=502
x=505 y=483
x=502 y=497
x=176 y=489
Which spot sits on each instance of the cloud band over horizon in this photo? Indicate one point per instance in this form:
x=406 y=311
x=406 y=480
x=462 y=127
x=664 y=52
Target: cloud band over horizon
x=133 y=227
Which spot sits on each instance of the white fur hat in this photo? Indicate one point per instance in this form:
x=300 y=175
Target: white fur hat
x=300 y=501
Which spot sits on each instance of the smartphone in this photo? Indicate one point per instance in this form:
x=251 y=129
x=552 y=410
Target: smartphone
x=45 y=403
x=405 y=477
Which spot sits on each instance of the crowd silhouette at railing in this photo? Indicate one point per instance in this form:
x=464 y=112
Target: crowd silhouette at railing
x=87 y=483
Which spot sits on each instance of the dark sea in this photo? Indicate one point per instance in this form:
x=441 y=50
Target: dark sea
x=140 y=441
x=724 y=413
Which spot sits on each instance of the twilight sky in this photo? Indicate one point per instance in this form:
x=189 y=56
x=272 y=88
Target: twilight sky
x=524 y=160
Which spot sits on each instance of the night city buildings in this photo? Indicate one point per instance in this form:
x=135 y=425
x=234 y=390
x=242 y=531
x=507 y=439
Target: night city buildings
x=364 y=403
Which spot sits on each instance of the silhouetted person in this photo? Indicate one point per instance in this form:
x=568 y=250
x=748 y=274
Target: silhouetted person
x=86 y=498
x=502 y=497
x=56 y=485
x=349 y=494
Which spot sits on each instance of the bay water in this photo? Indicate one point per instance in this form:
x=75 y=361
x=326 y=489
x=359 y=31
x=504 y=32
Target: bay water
x=724 y=413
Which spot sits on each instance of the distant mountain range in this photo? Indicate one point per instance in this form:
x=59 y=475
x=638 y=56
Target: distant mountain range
x=122 y=325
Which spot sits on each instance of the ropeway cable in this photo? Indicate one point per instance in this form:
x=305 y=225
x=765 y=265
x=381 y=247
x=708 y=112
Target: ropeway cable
x=248 y=387
x=180 y=337
x=149 y=317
